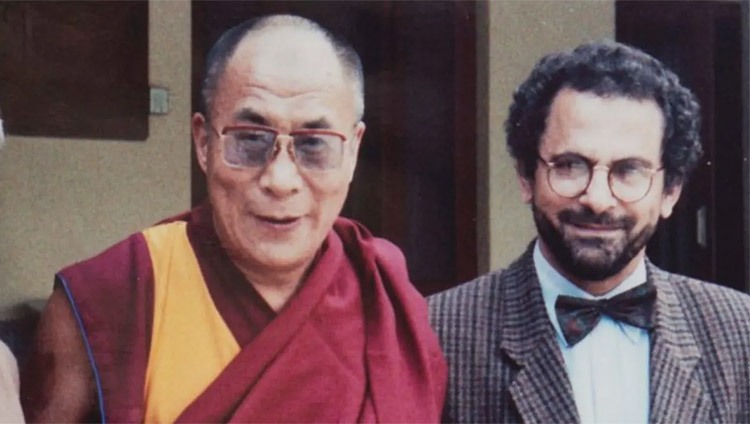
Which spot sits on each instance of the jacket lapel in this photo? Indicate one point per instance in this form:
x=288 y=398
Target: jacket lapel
x=540 y=390
x=677 y=393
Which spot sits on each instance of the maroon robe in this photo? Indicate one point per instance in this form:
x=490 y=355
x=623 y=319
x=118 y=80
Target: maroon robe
x=354 y=343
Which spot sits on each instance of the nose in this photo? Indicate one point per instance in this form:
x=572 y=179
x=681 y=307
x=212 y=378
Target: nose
x=281 y=177
x=598 y=195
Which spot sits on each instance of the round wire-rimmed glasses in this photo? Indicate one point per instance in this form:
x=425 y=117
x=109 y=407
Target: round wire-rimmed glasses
x=629 y=180
x=254 y=146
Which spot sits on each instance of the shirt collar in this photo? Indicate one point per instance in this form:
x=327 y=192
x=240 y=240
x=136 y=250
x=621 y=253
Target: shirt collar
x=555 y=284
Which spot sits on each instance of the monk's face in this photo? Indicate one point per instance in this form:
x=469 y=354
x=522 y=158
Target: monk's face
x=273 y=215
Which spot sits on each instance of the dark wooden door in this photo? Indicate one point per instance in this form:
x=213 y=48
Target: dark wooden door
x=702 y=42
x=416 y=180
x=75 y=69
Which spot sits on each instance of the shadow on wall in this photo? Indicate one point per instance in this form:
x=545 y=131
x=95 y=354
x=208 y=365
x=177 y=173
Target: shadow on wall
x=18 y=325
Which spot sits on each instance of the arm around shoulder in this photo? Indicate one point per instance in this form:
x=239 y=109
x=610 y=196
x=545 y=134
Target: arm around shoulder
x=57 y=383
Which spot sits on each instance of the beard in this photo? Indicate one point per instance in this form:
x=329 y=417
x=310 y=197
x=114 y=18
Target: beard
x=591 y=258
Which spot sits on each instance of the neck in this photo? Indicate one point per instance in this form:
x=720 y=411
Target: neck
x=275 y=287
x=594 y=287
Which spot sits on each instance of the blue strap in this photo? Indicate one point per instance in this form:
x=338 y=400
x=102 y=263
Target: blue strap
x=89 y=352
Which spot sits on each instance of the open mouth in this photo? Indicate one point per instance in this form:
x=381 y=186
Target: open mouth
x=596 y=230
x=279 y=222
x=597 y=227
x=593 y=224
x=586 y=224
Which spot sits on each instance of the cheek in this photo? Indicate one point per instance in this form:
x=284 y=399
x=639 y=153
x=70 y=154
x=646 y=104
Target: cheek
x=649 y=211
x=650 y=217
x=220 y=177
x=329 y=196
x=226 y=183
x=228 y=192
x=547 y=201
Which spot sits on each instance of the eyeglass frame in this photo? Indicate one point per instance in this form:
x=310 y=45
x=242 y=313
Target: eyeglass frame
x=276 y=144
x=592 y=166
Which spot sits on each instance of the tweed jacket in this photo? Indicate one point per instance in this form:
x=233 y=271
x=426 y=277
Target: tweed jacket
x=505 y=364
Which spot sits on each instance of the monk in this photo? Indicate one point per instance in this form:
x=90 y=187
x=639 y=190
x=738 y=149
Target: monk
x=261 y=305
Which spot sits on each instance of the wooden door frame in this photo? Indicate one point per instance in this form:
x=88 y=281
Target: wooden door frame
x=745 y=7
x=711 y=68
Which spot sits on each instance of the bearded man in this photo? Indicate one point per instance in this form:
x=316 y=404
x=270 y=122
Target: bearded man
x=583 y=327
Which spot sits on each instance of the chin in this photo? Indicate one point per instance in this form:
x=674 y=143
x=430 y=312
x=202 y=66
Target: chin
x=279 y=258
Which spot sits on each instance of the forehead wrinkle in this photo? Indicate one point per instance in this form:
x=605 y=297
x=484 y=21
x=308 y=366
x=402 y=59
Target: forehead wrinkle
x=249 y=113
x=250 y=82
x=286 y=92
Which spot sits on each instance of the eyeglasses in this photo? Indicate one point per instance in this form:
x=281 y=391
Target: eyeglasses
x=629 y=180
x=253 y=146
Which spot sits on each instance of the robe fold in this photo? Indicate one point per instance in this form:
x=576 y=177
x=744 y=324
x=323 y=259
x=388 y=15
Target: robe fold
x=174 y=332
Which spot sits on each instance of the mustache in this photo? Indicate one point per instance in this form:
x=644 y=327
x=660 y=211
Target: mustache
x=587 y=216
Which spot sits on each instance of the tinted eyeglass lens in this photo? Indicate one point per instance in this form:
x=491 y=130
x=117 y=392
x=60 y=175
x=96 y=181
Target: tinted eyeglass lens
x=252 y=148
x=248 y=148
x=318 y=151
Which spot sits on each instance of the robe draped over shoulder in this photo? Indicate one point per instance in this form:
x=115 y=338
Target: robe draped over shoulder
x=175 y=333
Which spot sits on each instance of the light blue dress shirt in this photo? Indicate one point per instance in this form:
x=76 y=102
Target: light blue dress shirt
x=609 y=368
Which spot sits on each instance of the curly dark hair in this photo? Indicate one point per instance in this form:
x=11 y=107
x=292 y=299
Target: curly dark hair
x=606 y=69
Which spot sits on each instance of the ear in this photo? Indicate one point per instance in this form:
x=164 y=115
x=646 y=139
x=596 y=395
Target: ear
x=526 y=185
x=353 y=151
x=200 y=139
x=669 y=200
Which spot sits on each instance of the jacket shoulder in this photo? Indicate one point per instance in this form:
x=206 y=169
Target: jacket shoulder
x=464 y=299
x=471 y=321
x=718 y=317
x=709 y=302
x=468 y=316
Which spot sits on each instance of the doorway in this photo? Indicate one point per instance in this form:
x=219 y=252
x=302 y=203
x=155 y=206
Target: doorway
x=702 y=42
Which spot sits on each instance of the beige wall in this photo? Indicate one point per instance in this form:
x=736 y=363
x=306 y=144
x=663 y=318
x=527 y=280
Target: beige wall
x=513 y=37
x=64 y=199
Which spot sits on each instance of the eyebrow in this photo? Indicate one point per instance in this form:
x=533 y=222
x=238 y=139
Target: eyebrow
x=318 y=124
x=639 y=161
x=567 y=154
x=251 y=116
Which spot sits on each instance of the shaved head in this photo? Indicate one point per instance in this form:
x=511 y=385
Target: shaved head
x=226 y=47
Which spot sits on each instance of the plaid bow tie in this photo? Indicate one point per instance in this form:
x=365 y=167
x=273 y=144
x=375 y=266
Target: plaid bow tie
x=577 y=316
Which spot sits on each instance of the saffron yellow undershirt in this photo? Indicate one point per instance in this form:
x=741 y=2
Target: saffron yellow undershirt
x=190 y=342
